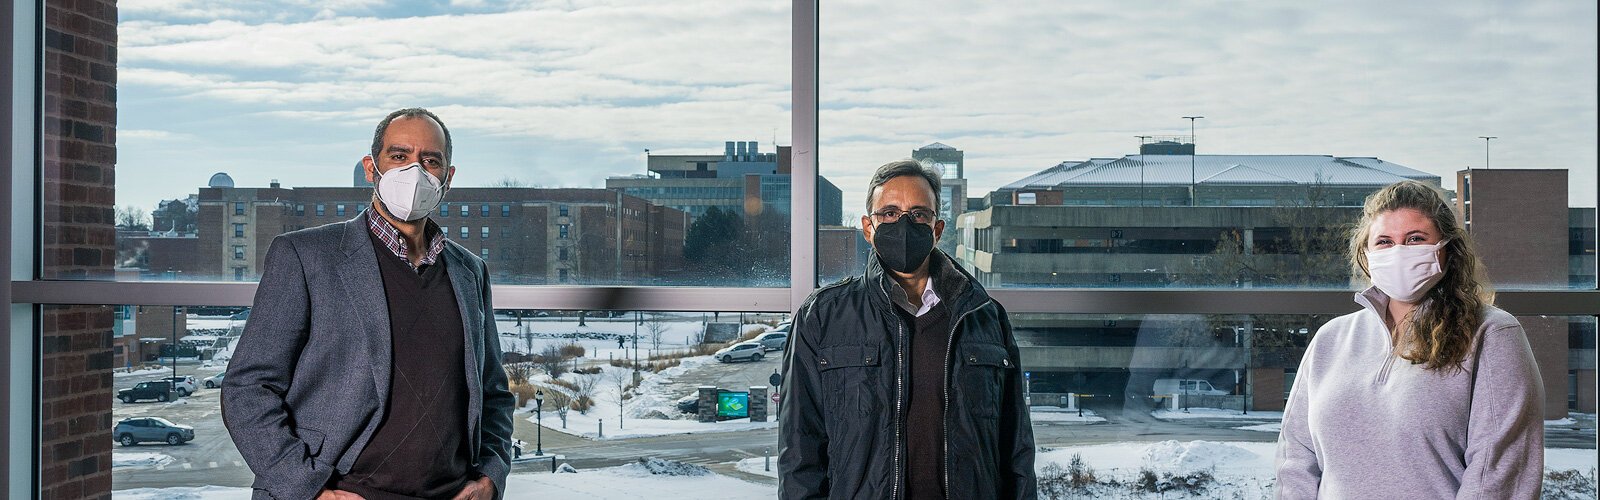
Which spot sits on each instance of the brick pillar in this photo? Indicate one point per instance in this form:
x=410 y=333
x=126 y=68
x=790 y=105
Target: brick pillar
x=78 y=242
x=758 y=403
x=1266 y=389
x=708 y=404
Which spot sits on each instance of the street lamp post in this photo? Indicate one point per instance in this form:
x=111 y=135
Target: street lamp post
x=172 y=385
x=538 y=412
x=1192 y=200
x=1486 y=139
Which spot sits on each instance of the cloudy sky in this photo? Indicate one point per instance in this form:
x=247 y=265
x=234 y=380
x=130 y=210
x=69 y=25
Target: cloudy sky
x=567 y=93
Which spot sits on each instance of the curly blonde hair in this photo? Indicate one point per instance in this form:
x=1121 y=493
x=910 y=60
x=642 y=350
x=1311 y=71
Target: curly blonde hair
x=1442 y=327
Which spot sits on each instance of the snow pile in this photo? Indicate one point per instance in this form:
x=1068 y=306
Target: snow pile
x=145 y=372
x=1193 y=455
x=139 y=459
x=1562 y=421
x=566 y=468
x=185 y=493
x=1058 y=414
x=758 y=466
x=649 y=399
x=659 y=467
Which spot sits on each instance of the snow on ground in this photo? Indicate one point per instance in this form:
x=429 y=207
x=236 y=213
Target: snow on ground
x=211 y=322
x=1216 y=413
x=639 y=410
x=680 y=333
x=1058 y=414
x=758 y=466
x=120 y=459
x=627 y=482
x=1273 y=427
x=148 y=371
x=1563 y=421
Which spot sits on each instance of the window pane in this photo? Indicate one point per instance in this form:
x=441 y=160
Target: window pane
x=1066 y=160
x=549 y=119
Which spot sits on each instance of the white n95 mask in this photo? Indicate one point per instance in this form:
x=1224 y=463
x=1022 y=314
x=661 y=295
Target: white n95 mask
x=410 y=192
x=1406 y=272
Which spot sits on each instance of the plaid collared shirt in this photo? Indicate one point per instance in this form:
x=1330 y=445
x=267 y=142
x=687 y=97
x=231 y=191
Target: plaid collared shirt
x=391 y=237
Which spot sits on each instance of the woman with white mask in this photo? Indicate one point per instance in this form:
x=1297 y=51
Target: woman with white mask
x=1428 y=391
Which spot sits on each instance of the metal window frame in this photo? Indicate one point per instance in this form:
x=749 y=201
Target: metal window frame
x=22 y=42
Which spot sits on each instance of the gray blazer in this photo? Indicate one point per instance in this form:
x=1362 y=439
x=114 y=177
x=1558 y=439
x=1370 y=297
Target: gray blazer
x=309 y=380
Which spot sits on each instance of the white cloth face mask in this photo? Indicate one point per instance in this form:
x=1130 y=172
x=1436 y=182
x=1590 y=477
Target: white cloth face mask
x=1406 y=272
x=410 y=192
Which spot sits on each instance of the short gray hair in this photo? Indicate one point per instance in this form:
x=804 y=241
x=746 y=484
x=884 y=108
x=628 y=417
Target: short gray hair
x=899 y=168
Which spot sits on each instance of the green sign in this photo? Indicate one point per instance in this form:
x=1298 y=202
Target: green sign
x=733 y=404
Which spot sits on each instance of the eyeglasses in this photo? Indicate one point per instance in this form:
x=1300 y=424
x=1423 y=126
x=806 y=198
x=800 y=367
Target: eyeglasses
x=890 y=216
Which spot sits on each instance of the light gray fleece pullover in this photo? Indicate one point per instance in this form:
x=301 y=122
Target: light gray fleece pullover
x=1364 y=423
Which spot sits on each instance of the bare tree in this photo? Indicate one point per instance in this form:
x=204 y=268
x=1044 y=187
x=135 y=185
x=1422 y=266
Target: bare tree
x=619 y=378
x=132 y=218
x=654 y=329
x=518 y=373
x=551 y=361
x=509 y=182
x=583 y=395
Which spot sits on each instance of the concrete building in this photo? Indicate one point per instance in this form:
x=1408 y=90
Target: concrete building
x=742 y=180
x=527 y=235
x=951 y=163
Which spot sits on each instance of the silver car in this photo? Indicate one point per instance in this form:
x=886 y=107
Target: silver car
x=132 y=431
x=773 y=341
x=751 y=350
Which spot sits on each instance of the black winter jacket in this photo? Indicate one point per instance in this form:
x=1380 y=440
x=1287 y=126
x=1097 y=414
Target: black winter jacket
x=841 y=421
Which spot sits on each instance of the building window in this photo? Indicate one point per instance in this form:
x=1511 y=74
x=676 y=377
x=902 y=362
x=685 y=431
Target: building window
x=238 y=208
x=505 y=210
x=338 y=210
x=563 y=275
x=444 y=210
x=238 y=274
x=485 y=232
x=484 y=253
x=238 y=230
x=300 y=209
x=486 y=210
x=563 y=228
x=465 y=231
x=563 y=210
x=238 y=252
x=322 y=210
x=466 y=210
x=561 y=254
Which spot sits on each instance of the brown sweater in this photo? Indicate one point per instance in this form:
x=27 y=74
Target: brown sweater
x=925 y=411
x=420 y=449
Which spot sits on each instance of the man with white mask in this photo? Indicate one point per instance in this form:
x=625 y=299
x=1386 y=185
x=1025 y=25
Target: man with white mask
x=370 y=367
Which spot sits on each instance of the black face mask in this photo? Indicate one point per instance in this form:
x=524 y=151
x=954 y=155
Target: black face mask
x=903 y=245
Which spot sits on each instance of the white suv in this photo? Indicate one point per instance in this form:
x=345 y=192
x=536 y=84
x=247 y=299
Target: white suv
x=751 y=350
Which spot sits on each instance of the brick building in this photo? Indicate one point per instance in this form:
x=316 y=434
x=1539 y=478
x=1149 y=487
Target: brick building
x=527 y=235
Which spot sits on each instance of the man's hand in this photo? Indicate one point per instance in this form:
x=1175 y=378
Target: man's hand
x=482 y=489
x=338 y=495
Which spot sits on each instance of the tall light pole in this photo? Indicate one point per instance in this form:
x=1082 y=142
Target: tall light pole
x=1486 y=139
x=538 y=409
x=1192 y=200
x=1142 y=138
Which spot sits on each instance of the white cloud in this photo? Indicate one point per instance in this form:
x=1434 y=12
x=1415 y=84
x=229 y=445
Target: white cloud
x=1017 y=89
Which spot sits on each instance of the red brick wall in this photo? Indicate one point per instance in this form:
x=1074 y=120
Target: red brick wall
x=79 y=241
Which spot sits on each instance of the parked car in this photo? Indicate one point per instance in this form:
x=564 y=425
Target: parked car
x=782 y=327
x=1188 y=386
x=214 y=381
x=183 y=385
x=132 y=431
x=773 y=341
x=750 y=350
x=159 y=390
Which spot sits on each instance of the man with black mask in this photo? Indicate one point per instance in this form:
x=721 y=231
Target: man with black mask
x=904 y=382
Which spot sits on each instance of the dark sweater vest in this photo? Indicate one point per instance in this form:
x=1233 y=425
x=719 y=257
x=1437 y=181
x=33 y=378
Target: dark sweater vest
x=925 y=409
x=420 y=448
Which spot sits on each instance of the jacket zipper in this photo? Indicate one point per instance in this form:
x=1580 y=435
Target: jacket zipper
x=944 y=421
x=899 y=387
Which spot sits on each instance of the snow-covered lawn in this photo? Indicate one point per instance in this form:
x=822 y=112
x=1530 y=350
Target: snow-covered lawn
x=120 y=459
x=1216 y=413
x=138 y=373
x=642 y=411
x=758 y=466
x=1273 y=427
x=1056 y=414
